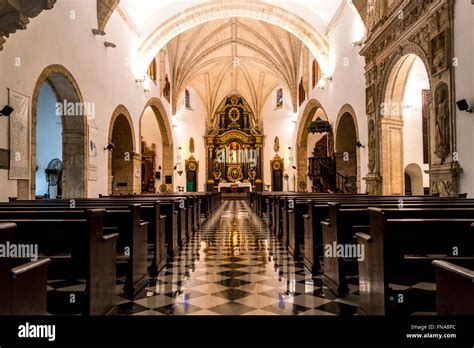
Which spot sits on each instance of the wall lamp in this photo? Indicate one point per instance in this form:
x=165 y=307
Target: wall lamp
x=109 y=146
x=359 y=144
x=463 y=105
x=357 y=43
x=98 y=32
x=6 y=111
x=109 y=44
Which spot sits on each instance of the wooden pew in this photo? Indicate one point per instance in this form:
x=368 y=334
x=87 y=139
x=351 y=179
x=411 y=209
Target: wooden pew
x=131 y=244
x=318 y=211
x=454 y=289
x=398 y=249
x=80 y=235
x=345 y=219
x=23 y=283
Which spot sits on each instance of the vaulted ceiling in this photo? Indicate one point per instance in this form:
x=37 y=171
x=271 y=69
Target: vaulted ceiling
x=235 y=55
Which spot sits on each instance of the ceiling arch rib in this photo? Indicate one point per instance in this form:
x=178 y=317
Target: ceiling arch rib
x=216 y=10
x=240 y=55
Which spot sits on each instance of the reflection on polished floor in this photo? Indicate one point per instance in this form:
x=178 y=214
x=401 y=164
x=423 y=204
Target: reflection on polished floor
x=235 y=266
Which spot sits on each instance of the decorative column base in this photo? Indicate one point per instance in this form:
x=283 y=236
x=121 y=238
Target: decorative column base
x=373 y=184
x=444 y=179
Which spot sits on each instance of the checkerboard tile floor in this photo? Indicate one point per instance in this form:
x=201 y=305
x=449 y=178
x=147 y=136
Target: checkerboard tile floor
x=234 y=265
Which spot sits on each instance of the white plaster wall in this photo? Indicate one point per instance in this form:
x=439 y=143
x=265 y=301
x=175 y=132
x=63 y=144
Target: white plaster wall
x=412 y=118
x=63 y=36
x=278 y=122
x=190 y=123
x=348 y=82
x=464 y=83
x=151 y=134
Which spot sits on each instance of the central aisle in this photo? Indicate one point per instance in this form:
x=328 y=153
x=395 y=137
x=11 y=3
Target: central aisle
x=234 y=266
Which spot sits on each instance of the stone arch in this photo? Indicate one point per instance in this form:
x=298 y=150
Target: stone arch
x=105 y=8
x=74 y=135
x=346 y=126
x=414 y=171
x=165 y=127
x=123 y=160
x=390 y=125
x=310 y=110
x=193 y=16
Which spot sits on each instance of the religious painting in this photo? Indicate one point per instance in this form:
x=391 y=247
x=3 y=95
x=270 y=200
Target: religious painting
x=439 y=53
x=166 y=88
x=279 y=97
x=187 y=99
x=301 y=92
x=425 y=125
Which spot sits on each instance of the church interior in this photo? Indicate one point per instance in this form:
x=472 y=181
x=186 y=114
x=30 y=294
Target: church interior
x=258 y=157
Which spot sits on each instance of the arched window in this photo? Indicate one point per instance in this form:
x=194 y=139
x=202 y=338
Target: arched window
x=316 y=72
x=279 y=97
x=152 y=70
x=187 y=99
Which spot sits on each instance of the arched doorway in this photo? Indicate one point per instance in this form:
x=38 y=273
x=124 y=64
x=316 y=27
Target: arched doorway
x=57 y=90
x=124 y=163
x=155 y=128
x=404 y=123
x=346 y=148
x=414 y=180
x=306 y=141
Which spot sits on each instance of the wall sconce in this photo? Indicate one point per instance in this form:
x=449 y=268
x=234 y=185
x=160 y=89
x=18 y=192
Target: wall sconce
x=174 y=121
x=178 y=167
x=109 y=44
x=146 y=90
x=326 y=78
x=98 y=32
x=109 y=147
x=357 y=43
x=140 y=80
x=359 y=144
x=463 y=105
x=6 y=111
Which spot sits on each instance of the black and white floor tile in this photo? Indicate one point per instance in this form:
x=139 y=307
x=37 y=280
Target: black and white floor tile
x=234 y=265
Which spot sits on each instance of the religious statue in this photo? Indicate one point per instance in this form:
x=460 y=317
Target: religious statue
x=191 y=145
x=371 y=146
x=166 y=88
x=442 y=123
x=276 y=144
x=301 y=92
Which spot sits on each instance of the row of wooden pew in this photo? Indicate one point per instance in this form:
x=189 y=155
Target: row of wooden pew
x=403 y=240
x=96 y=240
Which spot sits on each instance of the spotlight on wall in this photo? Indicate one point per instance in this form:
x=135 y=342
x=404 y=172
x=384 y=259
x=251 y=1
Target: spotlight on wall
x=327 y=78
x=357 y=43
x=109 y=147
x=109 y=44
x=140 y=80
x=463 y=105
x=294 y=167
x=98 y=32
x=6 y=111
x=359 y=144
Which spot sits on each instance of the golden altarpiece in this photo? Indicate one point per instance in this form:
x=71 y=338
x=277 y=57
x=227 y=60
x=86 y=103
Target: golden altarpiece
x=234 y=146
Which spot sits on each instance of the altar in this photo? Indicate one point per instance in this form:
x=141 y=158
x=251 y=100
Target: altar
x=234 y=187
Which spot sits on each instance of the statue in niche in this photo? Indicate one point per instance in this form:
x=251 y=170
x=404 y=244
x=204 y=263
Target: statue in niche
x=276 y=145
x=371 y=146
x=442 y=123
x=301 y=92
x=191 y=145
x=370 y=14
x=166 y=88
